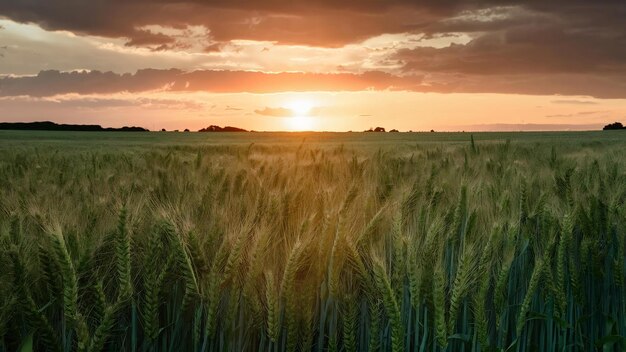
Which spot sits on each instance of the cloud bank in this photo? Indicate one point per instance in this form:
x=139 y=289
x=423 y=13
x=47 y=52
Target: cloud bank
x=52 y=82
x=528 y=47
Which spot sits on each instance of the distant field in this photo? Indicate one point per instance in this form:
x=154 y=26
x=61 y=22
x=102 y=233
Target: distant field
x=10 y=138
x=313 y=241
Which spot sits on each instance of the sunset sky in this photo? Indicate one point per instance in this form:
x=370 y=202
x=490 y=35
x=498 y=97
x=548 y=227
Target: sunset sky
x=315 y=64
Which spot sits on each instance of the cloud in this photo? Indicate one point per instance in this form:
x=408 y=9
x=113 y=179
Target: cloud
x=286 y=112
x=159 y=38
x=581 y=113
x=276 y=112
x=318 y=22
x=574 y=102
x=524 y=49
x=51 y=82
x=97 y=102
x=311 y=22
x=504 y=127
x=598 y=86
x=149 y=39
x=527 y=47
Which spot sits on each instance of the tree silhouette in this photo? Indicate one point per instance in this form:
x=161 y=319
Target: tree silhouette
x=215 y=128
x=614 y=126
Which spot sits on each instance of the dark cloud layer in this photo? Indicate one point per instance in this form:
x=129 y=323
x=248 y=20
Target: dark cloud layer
x=317 y=22
x=525 y=49
x=321 y=23
x=50 y=83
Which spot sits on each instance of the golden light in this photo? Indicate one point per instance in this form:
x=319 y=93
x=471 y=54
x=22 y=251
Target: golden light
x=300 y=107
x=301 y=119
x=300 y=123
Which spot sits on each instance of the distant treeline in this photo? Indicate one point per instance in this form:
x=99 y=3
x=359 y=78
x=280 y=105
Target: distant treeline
x=382 y=129
x=214 y=128
x=51 y=126
x=614 y=126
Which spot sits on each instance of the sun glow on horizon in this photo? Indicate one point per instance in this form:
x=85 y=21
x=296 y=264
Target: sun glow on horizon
x=300 y=123
x=300 y=107
x=301 y=119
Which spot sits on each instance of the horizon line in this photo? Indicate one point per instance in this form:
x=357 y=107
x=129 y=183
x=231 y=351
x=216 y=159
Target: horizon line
x=497 y=127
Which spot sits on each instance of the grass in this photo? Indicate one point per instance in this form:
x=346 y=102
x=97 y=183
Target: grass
x=311 y=242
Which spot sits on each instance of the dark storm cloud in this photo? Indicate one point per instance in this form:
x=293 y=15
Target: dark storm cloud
x=319 y=23
x=524 y=49
x=146 y=38
x=316 y=22
x=569 y=50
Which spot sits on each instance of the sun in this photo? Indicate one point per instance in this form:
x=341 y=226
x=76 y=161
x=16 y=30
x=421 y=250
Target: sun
x=301 y=119
x=300 y=107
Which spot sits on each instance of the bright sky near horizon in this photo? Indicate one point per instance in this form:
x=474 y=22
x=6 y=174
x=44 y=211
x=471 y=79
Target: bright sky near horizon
x=315 y=65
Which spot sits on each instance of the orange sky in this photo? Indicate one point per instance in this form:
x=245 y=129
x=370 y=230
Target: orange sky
x=315 y=65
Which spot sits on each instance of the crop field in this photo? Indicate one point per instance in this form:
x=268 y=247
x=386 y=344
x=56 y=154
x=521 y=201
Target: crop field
x=312 y=241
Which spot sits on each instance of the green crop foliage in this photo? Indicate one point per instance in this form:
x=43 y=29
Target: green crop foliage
x=313 y=242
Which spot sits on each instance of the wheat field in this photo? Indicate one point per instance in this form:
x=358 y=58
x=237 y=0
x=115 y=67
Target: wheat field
x=406 y=242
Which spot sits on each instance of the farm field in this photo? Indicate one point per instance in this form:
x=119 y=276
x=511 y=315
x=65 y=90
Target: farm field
x=312 y=241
